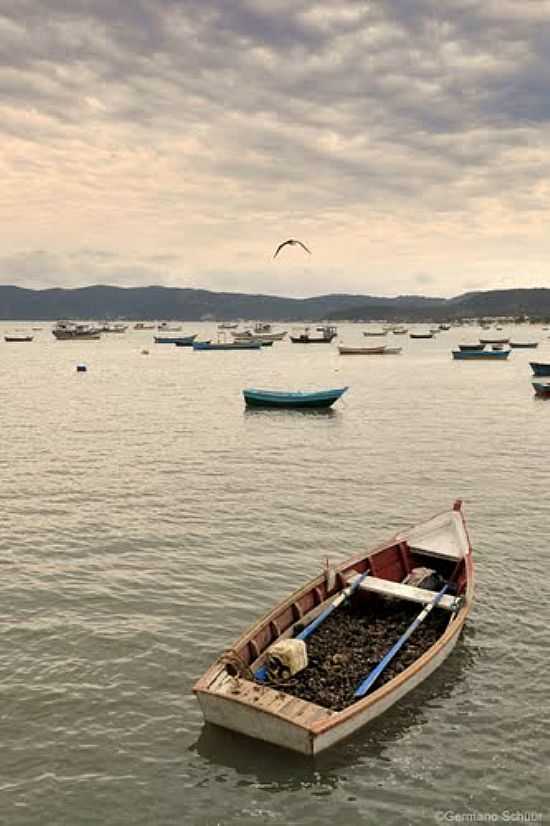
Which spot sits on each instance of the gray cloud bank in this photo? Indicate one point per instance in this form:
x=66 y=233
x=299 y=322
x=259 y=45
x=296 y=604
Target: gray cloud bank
x=186 y=138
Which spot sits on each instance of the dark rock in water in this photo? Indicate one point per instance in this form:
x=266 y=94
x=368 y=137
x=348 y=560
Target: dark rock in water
x=351 y=642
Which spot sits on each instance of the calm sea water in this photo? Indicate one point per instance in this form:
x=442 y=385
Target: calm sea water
x=147 y=519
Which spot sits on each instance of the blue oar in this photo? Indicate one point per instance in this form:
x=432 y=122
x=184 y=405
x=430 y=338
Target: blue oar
x=363 y=687
x=261 y=673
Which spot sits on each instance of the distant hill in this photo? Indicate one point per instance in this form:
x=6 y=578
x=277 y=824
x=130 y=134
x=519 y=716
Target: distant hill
x=170 y=303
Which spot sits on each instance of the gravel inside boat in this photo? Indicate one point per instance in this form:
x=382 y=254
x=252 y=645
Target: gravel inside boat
x=351 y=642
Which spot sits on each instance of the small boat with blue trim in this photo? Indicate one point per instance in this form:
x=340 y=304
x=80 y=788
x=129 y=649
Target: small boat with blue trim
x=539 y=368
x=473 y=355
x=302 y=676
x=181 y=341
x=227 y=345
x=541 y=388
x=295 y=400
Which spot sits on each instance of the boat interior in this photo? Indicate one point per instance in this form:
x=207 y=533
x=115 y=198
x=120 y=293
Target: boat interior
x=439 y=546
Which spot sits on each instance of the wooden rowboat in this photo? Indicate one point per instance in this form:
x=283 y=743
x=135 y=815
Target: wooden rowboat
x=233 y=692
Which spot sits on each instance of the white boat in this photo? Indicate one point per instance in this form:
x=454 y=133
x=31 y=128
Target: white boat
x=114 y=328
x=245 y=690
x=71 y=331
x=249 y=335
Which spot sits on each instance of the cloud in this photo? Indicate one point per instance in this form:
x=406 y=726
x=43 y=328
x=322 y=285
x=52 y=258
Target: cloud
x=188 y=139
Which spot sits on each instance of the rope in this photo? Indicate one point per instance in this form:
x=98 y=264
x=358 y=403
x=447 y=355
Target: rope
x=235 y=665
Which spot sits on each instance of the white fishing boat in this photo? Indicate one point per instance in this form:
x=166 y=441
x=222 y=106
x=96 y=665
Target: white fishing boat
x=239 y=690
x=76 y=331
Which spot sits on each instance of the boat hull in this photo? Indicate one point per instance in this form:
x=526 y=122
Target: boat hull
x=541 y=389
x=14 y=339
x=62 y=336
x=369 y=351
x=480 y=355
x=312 y=339
x=241 y=345
x=539 y=369
x=300 y=401
x=270 y=714
x=181 y=341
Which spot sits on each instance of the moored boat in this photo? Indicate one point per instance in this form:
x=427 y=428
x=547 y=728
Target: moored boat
x=471 y=347
x=421 y=335
x=259 y=335
x=524 y=345
x=375 y=332
x=227 y=345
x=245 y=691
x=539 y=368
x=296 y=400
x=76 y=331
x=369 y=351
x=472 y=355
x=181 y=341
x=305 y=338
x=541 y=388
x=494 y=340
x=14 y=339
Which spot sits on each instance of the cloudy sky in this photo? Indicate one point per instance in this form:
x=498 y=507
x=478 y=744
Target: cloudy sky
x=177 y=142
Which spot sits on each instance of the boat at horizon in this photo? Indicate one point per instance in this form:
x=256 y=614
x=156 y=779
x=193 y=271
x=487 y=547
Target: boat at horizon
x=472 y=355
x=384 y=350
x=327 y=335
x=246 y=691
x=227 y=345
x=76 y=331
x=181 y=341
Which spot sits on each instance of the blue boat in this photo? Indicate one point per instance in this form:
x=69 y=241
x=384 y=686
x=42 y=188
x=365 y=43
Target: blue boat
x=539 y=368
x=498 y=355
x=227 y=345
x=285 y=399
x=181 y=341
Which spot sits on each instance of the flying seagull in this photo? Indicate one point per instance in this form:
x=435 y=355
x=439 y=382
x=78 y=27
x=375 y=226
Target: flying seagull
x=292 y=242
